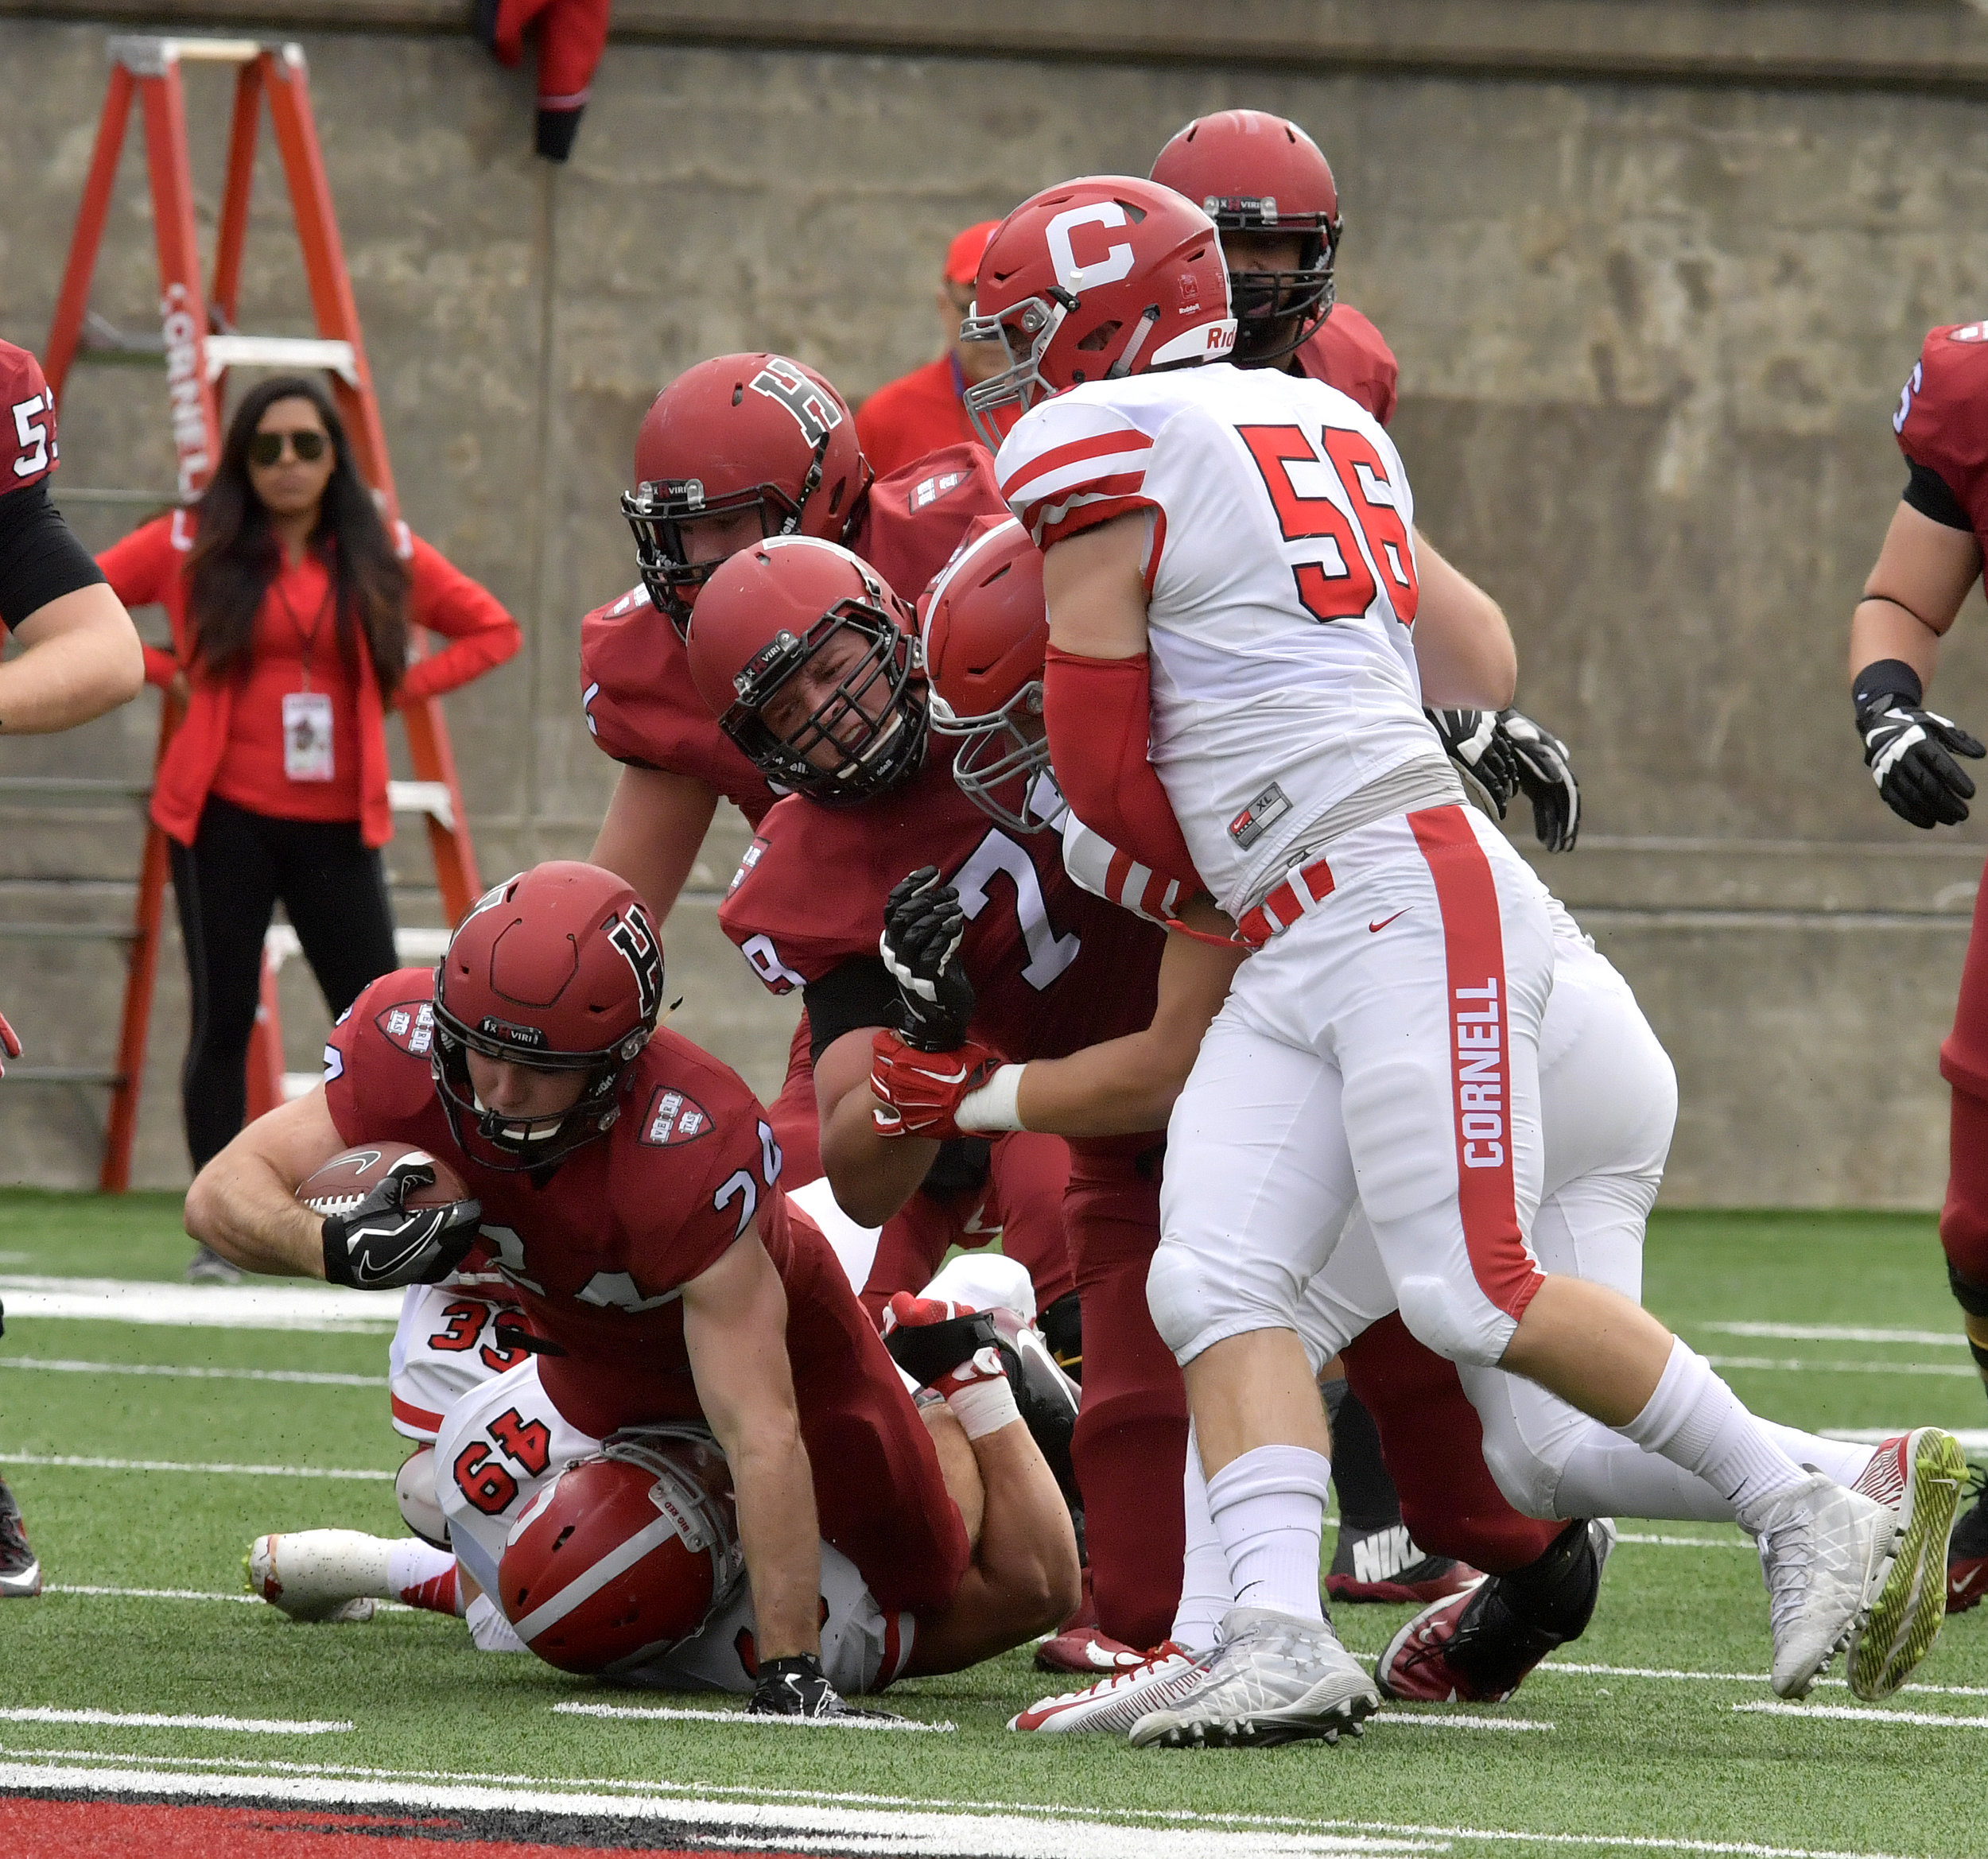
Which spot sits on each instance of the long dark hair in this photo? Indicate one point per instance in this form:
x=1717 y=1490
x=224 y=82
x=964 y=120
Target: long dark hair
x=236 y=557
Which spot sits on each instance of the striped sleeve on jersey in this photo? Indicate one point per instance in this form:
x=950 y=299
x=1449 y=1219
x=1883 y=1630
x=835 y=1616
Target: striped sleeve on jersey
x=1070 y=468
x=1097 y=864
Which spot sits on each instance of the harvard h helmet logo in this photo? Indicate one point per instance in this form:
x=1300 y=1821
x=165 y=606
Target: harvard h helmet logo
x=813 y=411
x=631 y=934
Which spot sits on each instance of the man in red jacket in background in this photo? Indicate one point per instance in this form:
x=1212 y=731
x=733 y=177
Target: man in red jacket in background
x=923 y=411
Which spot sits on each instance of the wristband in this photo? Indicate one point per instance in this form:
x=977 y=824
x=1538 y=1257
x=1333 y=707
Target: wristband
x=995 y=1106
x=1885 y=678
x=982 y=1407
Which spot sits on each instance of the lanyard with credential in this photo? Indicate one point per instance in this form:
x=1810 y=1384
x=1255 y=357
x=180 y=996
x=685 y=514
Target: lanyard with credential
x=307 y=714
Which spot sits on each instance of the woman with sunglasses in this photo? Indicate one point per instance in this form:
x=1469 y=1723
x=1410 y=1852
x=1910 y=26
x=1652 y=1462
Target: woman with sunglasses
x=290 y=605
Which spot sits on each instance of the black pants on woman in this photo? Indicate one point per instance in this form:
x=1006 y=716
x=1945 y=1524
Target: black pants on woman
x=228 y=882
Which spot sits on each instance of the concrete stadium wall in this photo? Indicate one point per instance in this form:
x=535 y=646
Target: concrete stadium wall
x=1654 y=285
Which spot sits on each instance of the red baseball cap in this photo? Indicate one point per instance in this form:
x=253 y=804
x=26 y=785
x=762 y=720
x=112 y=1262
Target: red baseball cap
x=963 y=255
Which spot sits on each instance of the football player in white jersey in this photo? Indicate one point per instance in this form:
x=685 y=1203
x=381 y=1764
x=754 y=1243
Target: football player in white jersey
x=1231 y=584
x=1607 y=1100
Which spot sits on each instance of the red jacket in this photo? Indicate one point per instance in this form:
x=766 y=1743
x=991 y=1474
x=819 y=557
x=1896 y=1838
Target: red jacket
x=914 y=414
x=148 y=567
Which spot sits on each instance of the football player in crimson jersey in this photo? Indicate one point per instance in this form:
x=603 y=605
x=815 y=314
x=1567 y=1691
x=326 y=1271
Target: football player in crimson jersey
x=1932 y=554
x=1269 y=189
x=1609 y=1099
x=627 y=1185
x=80 y=658
x=1232 y=693
x=735 y=449
x=809 y=659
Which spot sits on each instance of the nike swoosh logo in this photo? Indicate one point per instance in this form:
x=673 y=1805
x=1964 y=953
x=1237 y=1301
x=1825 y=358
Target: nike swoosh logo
x=1374 y=929
x=1960 y=1583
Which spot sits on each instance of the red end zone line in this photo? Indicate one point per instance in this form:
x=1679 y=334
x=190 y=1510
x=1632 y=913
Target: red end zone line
x=71 y=1830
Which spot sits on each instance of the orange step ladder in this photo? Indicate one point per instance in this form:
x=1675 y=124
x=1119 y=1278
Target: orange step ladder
x=199 y=342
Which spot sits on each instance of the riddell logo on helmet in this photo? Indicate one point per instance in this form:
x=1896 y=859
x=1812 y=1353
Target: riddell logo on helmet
x=512 y=1034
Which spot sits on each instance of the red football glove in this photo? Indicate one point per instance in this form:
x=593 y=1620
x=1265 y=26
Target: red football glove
x=10 y=1043
x=918 y=1092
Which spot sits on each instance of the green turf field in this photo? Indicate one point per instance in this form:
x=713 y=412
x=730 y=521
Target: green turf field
x=1650 y=1735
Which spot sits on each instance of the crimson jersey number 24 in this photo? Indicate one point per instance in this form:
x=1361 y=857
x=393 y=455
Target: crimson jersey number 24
x=1340 y=584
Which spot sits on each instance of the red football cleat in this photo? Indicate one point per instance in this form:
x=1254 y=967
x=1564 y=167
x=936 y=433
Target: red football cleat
x=1089 y=1652
x=1386 y=1566
x=1967 y=1551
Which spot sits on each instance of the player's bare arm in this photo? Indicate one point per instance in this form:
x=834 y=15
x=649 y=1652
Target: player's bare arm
x=656 y=821
x=242 y=1204
x=1463 y=646
x=1913 y=593
x=1097 y=595
x=872 y=1175
x=80 y=658
x=734 y=1321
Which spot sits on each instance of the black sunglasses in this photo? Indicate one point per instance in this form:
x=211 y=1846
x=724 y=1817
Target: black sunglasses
x=265 y=448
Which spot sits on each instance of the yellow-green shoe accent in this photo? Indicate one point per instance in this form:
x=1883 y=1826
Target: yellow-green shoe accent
x=1920 y=1476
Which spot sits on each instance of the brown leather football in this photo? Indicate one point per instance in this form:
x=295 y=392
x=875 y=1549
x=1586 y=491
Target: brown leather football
x=346 y=1180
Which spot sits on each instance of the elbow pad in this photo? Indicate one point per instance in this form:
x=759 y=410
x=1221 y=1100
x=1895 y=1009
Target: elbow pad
x=1099 y=713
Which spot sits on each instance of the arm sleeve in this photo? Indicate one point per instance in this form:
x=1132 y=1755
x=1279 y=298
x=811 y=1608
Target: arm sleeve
x=445 y=600
x=1099 y=714
x=137 y=566
x=41 y=560
x=1929 y=494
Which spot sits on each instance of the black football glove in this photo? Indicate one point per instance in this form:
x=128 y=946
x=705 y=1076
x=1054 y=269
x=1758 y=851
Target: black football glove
x=1546 y=778
x=1481 y=754
x=1906 y=748
x=799 y=1687
x=923 y=925
x=380 y=1244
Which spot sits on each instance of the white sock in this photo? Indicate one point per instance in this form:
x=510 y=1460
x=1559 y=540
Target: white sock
x=1206 y=1595
x=1607 y=1476
x=423 y=1576
x=1694 y=1420
x=489 y=1628
x=1269 y=1509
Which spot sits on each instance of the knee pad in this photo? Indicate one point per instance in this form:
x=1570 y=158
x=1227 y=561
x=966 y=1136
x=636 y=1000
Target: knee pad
x=1525 y=1481
x=1197 y=1301
x=1969 y=1293
x=1457 y=1320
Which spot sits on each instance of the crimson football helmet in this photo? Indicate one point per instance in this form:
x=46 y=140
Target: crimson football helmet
x=560 y=969
x=1092 y=281
x=771 y=611
x=1252 y=171
x=624 y=1554
x=740 y=432
x=986 y=634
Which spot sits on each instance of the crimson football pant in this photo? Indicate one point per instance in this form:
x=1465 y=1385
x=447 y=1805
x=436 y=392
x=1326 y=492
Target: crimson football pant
x=1130 y=1444
x=1963 y=1062
x=572 y=35
x=796 y=1117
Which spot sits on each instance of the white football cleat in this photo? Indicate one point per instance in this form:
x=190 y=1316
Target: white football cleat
x=325 y=1575
x=1158 y=1682
x=1276 y=1678
x=1825 y=1551
x=1917 y=1477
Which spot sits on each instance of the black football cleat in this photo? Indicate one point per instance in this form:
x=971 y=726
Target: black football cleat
x=20 y=1572
x=1048 y=1398
x=1478 y=1646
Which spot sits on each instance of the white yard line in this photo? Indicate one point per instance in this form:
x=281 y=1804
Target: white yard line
x=1852 y=1713
x=1837 y=1332
x=907 y=1825
x=673 y=1713
x=1642 y=1671
x=254 y=1726
x=1456 y=1721
x=1684 y=1541
x=1799 y=1365
x=311 y=1377
x=91 y=1465
x=148 y=1593
x=272 y=1305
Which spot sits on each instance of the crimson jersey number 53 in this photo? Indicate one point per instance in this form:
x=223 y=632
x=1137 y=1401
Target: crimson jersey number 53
x=1338 y=585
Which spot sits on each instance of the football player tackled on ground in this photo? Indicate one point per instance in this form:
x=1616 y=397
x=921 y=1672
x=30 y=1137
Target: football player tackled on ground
x=628 y=1186
x=1230 y=578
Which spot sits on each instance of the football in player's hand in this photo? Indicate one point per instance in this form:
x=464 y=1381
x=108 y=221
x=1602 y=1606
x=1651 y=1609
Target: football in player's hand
x=346 y=1180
